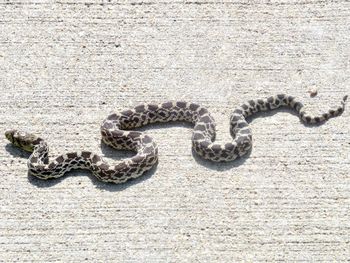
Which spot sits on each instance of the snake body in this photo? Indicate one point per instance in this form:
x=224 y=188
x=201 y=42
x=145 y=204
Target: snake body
x=116 y=132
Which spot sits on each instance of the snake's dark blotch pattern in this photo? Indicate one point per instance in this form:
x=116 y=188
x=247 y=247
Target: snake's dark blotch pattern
x=115 y=131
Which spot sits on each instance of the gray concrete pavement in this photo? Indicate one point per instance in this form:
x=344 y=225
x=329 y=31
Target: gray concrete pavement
x=64 y=66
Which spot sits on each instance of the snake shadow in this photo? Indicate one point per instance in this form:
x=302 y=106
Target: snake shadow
x=16 y=152
x=118 y=155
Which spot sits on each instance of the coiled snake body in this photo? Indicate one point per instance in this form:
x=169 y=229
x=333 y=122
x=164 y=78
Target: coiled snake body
x=115 y=131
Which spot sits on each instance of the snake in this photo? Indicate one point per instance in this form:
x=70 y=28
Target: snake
x=117 y=132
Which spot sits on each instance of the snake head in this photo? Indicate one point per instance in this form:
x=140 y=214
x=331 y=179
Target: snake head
x=23 y=140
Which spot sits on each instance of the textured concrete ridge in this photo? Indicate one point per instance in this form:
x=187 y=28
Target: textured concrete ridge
x=65 y=65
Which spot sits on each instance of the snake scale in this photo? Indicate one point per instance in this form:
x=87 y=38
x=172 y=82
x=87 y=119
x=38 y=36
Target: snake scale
x=116 y=132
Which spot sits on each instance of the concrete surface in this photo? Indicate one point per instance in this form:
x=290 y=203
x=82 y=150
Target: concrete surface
x=65 y=65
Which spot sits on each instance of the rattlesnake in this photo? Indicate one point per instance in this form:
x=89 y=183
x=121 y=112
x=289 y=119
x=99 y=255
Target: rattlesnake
x=115 y=131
